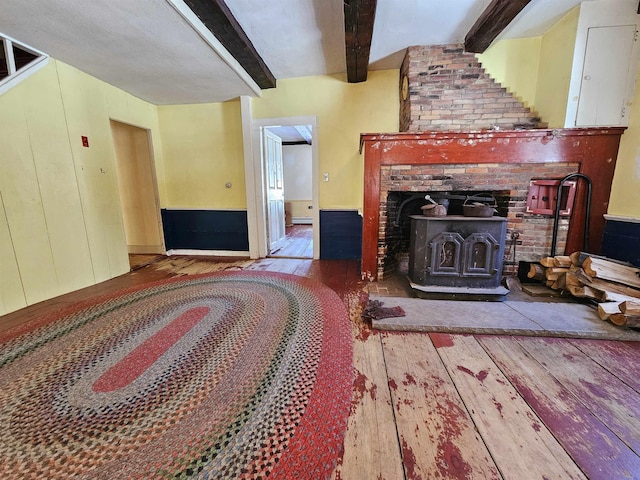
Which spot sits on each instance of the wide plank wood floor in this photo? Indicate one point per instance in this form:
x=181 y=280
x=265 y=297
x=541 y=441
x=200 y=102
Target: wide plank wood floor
x=298 y=242
x=438 y=406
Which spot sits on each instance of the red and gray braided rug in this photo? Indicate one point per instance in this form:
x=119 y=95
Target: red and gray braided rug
x=230 y=375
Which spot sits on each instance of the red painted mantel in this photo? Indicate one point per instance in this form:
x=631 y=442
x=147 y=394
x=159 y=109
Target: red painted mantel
x=594 y=149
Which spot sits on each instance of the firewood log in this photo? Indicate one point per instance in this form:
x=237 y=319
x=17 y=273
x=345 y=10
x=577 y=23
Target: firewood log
x=615 y=291
x=536 y=272
x=587 y=292
x=611 y=271
x=571 y=278
x=548 y=262
x=621 y=319
x=606 y=309
x=560 y=283
x=554 y=272
x=576 y=258
x=630 y=307
x=562 y=261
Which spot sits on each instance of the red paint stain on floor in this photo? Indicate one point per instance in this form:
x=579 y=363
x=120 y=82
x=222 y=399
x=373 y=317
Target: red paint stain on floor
x=359 y=390
x=409 y=461
x=498 y=405
x=409 y=380
x=441 y=340
x=450 y=462
x=373 y=392
x=481 y=375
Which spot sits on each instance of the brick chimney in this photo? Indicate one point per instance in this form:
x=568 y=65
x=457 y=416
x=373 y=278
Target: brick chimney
x=445 y=88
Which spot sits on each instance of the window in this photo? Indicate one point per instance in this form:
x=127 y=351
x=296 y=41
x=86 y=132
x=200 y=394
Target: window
x=17 y=62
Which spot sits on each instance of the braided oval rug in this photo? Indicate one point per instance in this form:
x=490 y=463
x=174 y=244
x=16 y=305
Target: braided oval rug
x=229 y=375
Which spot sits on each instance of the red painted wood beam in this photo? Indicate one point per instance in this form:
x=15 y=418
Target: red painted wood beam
x=491 y=23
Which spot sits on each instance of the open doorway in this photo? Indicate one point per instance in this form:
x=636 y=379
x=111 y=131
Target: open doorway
x=138 y=191
x=257 y=186
x=295 y=160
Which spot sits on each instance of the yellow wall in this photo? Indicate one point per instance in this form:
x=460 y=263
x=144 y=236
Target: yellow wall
x=60 y=220
x=554 y=74
x=538 y=69
x=625 y=193
x=202 y=152
x=514 y=64
x=344 y=110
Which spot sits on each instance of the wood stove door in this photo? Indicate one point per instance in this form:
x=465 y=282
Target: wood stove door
x=446 y=254
x=479 y=255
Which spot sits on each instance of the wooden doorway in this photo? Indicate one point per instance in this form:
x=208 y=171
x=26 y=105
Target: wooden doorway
x=138 y=189
x=255 y=170
x=296 y=164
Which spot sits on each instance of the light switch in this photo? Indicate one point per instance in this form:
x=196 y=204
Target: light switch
x=325 y=176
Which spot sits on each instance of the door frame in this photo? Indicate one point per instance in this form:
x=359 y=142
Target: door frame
x=154 y=181
x=255 y=177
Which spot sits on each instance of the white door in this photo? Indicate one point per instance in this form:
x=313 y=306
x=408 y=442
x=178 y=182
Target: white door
x=272 y=148
x=605 y=76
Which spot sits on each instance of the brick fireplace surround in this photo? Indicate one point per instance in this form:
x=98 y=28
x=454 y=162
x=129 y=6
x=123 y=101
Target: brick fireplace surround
x=486 y=160
x=463 y=131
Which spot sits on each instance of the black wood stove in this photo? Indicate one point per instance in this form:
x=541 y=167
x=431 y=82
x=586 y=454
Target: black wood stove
x=457 y=257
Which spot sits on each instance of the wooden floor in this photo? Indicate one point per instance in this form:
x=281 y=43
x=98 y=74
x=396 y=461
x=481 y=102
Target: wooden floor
x=436 y=406
x=298 y=243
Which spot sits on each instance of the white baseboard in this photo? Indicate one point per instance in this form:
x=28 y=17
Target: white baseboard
x=302 y=220
x=208 y=253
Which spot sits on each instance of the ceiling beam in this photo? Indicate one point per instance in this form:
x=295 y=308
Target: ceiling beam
x=491 y=23
x=305 y=133
x=359 y=16
x=217 y=17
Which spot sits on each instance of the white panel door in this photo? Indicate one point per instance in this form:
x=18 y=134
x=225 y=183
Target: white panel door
x=272 y=149
x=605 y=76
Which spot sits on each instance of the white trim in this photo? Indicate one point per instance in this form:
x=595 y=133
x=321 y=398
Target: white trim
x=302 y=220
x=200 y=28
x=22 y=74
x=9 y=56
x=35 y=51
x=17 y=76
x=620 y=218
x=249 y=178
x=254 y=169
x=207 y=253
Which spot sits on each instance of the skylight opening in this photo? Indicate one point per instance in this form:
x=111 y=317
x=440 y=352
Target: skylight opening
x=17 y=62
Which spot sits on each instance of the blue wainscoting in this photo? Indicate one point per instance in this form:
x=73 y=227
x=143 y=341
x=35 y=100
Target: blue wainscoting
x=206 y=230
x=621 y=241
x=340 y=235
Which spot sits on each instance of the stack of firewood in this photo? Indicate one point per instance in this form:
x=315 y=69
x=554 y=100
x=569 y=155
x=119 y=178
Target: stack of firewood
x=615 y=286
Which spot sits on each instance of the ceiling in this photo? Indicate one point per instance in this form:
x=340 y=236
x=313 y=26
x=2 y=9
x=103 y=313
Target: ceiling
x=160 y=51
